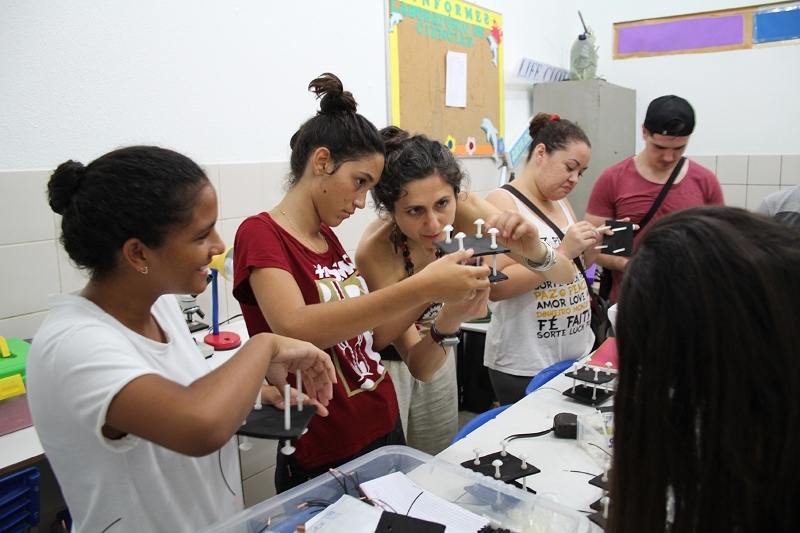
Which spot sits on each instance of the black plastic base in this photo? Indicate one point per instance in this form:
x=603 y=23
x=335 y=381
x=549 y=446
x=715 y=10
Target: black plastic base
x=518 y=484
x=495 y=278
x=587 y=374
x=598 y=519
x=583 y=394
x=268 y=423
x=597 y=481
x=480 y=246
x=621 y=240
x=509 y=471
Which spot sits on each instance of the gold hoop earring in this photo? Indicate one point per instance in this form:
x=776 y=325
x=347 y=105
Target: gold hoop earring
x=144 y=271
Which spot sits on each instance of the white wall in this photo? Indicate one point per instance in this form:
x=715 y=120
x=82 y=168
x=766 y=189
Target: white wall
x=218 y=81
x=225 y=83
x=746 y=100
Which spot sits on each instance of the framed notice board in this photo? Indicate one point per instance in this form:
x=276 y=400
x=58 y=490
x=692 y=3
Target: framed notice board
x=421 y=33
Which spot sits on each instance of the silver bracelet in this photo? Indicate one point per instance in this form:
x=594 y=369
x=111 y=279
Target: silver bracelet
x=548 y=262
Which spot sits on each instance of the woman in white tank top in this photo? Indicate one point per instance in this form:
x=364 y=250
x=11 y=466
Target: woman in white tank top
x=535 y=322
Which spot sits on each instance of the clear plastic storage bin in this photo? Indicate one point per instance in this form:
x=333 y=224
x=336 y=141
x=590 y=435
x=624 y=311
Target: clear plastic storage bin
x=596 y=435
x=502 y=504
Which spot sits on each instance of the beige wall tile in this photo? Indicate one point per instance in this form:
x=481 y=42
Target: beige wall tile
x=259 y=457
x=349 y=232
x=23 y=326
x=70 y=277
x=30 y=274
x=756 y=193
x=241 y=189
x=259 y=487
x=228 y=228
x=790 y=170
x=735 y=195
x=708 y=161
x=212 y=171
x=25 y=215
x=274 y=173
x=764 y=170
x=732 y=169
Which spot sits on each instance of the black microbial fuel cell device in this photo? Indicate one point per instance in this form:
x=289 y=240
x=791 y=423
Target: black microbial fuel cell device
x=565 y=425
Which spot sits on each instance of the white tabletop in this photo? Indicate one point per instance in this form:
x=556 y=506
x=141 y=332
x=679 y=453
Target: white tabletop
x=560 y=460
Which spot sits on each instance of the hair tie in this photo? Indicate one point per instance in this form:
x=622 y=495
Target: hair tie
x=554 y=117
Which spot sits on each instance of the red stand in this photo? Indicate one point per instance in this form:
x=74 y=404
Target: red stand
x=226 y=340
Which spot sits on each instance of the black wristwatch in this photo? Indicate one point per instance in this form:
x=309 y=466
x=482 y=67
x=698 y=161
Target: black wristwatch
x=445 y=340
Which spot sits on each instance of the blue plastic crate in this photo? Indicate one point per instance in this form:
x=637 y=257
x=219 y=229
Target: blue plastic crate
x=19 y=501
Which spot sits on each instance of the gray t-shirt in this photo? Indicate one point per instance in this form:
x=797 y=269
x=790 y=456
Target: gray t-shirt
x=783 y=205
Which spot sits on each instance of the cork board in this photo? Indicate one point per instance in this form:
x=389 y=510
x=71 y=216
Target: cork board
x=421 y=32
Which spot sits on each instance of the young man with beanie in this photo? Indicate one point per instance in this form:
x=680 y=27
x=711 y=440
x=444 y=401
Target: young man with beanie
x=630 y=188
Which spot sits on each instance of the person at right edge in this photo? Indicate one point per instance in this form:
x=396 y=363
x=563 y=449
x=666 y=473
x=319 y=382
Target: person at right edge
x=630 y=188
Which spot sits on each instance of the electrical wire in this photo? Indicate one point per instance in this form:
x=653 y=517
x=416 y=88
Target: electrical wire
x=528 y=435
x=545 y=388
x=413 y=502
x=234 y=317
x=219 y=456
x=599 y=448
x=111 y=524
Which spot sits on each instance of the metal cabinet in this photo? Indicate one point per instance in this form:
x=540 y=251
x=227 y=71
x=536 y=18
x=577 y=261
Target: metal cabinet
x=606 y=112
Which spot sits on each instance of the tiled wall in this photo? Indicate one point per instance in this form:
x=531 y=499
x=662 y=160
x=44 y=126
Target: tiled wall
x=747 y=179
x=35 y=265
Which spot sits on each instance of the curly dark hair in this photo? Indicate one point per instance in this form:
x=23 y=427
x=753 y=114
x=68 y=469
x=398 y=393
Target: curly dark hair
x=138 y=191
x=410 y=158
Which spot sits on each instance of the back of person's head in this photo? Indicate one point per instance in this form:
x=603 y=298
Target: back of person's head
x=336 y=126
x=707 y=408
x=555 y=133
x=410 y=158
x=669 y=115
x=136 y=192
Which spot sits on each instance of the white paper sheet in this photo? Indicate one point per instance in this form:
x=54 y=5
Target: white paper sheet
x=456 y=84
x=400 y=495
x=347 y=514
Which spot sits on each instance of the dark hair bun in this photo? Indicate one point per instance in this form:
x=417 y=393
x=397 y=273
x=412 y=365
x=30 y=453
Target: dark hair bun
x=393 y=137
x=333 y=97
x=63 y=184
x=538 y=122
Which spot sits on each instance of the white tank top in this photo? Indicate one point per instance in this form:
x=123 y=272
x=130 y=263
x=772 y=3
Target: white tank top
x=549 y=324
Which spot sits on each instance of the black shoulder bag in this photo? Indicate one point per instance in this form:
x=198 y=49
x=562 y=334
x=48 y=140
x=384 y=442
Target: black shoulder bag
x=598 y=305
x=606 y=280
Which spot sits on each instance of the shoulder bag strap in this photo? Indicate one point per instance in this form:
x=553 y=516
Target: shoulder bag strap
x=661 y=195
x=560 y=234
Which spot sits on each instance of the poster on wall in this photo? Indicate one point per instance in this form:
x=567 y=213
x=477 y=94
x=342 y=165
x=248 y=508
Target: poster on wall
x=421 y=35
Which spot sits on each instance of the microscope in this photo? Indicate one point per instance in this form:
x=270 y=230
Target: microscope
x=189 y=307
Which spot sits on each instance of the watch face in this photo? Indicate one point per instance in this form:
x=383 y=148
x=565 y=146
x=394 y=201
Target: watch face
x=449 y=341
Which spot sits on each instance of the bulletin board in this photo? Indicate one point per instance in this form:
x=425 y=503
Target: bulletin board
x=421 y=33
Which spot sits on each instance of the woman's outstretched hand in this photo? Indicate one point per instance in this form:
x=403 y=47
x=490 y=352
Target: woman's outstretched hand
x=517 y=233
x=274 y=396
x=317 y=368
